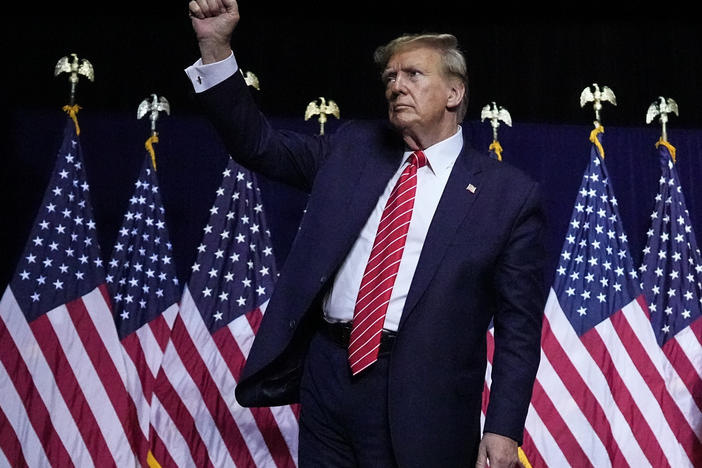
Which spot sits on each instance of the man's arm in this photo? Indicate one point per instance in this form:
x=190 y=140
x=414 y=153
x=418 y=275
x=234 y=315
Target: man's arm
x=520 y=286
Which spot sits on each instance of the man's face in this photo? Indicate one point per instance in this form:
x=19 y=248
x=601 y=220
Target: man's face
x=416 y=91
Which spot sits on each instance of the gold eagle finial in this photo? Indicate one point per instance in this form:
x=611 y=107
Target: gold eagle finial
x=662 y=107
x=153 y=107
x=251 y=79
x=597 y=97
x=74 y=66
x=323 y=109
x=495 y=114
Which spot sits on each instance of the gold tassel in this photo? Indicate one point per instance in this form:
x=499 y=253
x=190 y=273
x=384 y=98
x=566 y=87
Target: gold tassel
x=596 y=141
x=150 y=147
x=497 y=148
x=73 y=113
x=670 y=147
x=523 y=458
x=151 y=461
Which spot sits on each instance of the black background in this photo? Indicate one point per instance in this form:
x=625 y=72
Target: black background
x=534 y=58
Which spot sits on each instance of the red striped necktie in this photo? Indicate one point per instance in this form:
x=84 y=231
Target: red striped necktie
x=381 y=270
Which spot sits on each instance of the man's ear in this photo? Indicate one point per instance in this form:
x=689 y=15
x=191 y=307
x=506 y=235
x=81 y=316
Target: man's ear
x=457 y=92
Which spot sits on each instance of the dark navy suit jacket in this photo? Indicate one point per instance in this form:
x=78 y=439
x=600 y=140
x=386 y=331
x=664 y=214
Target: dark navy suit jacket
x=481 y=262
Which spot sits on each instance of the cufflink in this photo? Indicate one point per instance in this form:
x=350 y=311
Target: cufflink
x=471 y=188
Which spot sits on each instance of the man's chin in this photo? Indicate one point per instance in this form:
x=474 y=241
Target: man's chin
x=401 y=120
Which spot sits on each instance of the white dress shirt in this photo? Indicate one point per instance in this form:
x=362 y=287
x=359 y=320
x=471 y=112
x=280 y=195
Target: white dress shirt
x=204 y=76
x=340 y=301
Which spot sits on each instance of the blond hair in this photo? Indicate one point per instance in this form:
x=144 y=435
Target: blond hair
x=452 y=59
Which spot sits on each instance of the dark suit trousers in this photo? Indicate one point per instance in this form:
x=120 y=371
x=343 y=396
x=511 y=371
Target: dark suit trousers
x=343 y=418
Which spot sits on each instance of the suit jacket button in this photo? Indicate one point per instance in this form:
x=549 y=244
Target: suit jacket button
x=322 y=279
x=292 y=324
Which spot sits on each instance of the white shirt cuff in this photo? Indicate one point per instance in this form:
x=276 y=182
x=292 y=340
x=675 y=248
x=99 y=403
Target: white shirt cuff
x=203 y=77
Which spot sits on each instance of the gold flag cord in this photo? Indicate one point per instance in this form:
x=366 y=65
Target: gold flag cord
x=593 y=138
x=72 y=113
x=150 y=147
x=497 y=148
x=523 y=458
x=151 y=460
x=670 y=147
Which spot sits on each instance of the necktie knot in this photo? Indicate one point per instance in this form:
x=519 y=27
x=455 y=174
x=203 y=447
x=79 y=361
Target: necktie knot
x=418 y=159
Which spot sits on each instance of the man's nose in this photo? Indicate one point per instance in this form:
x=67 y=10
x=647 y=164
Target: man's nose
x=397 y=85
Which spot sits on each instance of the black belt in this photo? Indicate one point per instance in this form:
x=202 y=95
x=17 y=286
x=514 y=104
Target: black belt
x=340 y=333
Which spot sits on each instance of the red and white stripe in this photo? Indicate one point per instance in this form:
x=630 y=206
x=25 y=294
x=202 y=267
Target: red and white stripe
x=62 y=378
x=607 y=398
x=195 y=416
x=144 y=350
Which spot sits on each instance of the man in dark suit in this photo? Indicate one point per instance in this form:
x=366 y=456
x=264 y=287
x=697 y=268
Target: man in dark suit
x=406 y=389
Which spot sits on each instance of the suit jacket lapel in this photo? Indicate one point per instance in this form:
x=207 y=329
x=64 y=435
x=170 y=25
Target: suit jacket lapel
x=370 y=182
x=454 y=206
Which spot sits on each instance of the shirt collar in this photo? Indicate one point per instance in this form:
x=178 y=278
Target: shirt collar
x=442 y=155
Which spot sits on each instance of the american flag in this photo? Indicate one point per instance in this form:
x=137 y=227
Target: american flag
x=197 y=420
x=602 y=397
x=671 y=277
x=144 y=288
x=62 y=373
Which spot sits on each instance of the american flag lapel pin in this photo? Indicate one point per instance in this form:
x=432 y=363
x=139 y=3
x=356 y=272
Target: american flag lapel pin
x=471 y=188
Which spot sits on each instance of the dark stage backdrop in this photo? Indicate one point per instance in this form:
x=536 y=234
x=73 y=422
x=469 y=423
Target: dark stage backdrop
x=191 y=159
x=533 y=59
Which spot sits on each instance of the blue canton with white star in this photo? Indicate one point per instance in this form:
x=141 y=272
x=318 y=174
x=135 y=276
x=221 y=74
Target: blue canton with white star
x=62 y=260
x=141 y=274
x=596 y=275
x=671 y=269
x=234 y=271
